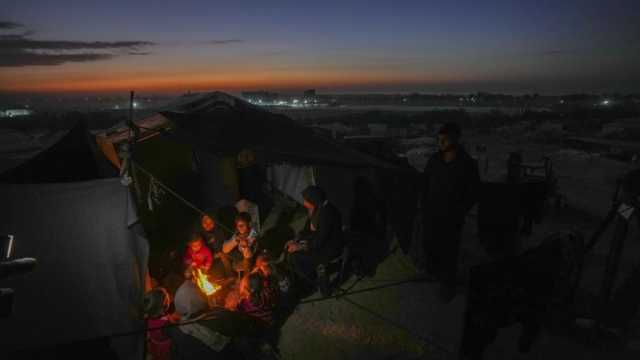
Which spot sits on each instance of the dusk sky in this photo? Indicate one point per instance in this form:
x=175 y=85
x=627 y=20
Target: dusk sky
x=540 y=46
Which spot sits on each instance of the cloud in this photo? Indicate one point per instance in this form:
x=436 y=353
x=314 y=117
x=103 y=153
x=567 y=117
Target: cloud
x=10 y=25
x=22 y=50
x=225 y=42
x=35 y=59
x=23 y=43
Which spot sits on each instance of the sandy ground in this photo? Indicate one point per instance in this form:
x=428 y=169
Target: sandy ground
x=408 y=321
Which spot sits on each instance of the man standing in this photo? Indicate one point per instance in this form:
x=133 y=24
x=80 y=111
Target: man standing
x=450 y=190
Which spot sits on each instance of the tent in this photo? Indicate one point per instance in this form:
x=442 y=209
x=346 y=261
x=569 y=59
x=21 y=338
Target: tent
x=236 y=143
x=67 y=208
x=237 y=150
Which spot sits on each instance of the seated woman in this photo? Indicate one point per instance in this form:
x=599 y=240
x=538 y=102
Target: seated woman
x=212 y=233
x=318 y=243
x=197 y=256
x=239 y=250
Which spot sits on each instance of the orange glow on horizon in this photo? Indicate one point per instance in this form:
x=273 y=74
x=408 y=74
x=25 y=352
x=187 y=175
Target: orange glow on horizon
x=231 y=81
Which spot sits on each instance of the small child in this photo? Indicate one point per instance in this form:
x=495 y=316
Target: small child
x=198 y=256
x=242 y=246
x=257 y=299
x=157 y=303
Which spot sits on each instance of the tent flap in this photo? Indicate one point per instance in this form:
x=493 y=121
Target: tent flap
x=89 y=281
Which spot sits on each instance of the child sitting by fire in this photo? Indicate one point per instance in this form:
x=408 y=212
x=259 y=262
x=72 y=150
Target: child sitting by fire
x=198 y=256
x=157 y=303
x=258 y=298
x=238 y=252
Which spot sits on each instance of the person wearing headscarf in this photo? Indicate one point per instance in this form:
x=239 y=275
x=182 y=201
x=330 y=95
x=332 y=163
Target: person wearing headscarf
x=450 y=189
x=211 y=232
x=320 y=241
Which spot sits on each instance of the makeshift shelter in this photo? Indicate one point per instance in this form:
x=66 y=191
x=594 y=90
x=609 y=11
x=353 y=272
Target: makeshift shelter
x=67 y=208
x=228 y=133
x=238 y=149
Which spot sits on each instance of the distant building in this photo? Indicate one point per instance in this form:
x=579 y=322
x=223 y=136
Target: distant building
x=309 y=94
x=260 y=97
x=15 y=113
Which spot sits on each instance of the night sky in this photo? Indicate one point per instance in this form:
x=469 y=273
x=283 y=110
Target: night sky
x=540 y=46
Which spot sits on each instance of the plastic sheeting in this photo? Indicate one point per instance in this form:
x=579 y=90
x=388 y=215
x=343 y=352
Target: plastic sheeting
x=291 y=180
x=89 y=281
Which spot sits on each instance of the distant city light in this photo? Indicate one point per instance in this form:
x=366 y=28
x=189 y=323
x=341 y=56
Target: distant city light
x=135 y=104
x=606 y=102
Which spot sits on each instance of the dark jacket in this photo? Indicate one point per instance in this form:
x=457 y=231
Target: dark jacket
x=214 y=239
x=326 y=242
x=450 y=189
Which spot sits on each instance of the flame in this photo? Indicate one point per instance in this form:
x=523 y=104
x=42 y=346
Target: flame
x=204 y=284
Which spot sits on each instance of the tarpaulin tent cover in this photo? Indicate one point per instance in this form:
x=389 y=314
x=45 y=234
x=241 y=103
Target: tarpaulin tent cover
x=89 y=281
x=75 y=157
x=90 y=274
x=291 y=180
x=222 y=124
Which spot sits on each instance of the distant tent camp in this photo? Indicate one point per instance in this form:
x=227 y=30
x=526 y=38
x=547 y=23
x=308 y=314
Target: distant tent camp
x=67 y=208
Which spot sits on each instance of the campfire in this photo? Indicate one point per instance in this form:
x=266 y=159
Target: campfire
x=204 y=284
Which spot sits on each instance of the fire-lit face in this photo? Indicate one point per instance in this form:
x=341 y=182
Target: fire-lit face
x=196 y=245
x=263 y=265
x=242 y=227
x=208 y=223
